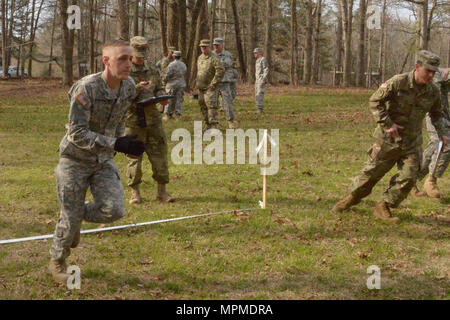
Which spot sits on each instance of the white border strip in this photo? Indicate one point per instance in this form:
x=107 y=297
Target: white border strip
x=49 y=236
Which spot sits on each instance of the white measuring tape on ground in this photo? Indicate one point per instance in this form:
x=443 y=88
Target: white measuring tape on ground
x=49 y=236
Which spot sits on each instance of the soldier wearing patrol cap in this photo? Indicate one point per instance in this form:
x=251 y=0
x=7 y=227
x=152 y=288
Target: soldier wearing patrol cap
x=175 y=85
x=436 y=167
x=261 y=78
x=399 y=107
x=224 y=87
x=167 y=60
x=210 y=72
x=147 y=125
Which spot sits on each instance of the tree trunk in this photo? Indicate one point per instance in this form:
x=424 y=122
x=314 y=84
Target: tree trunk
x=144 y=16
x=212 y=27
x=136 y=18
x=252 y=40
x=424 y=31
x=339 y=46
x=182 y=27
x=4 y=42
x=293 y=73
x=202 y=32
x=381 y=51
x=67 y=45
x=307 y=66
x=268 y=33
x=347 y=16
x=91 y=37
x=163 y=25
x=51 y=41
x=195 y=13
x=10 y=30
x=360 y=65
x=238 y=41
x=122 y=17
x=316 y=44
x=172 y=23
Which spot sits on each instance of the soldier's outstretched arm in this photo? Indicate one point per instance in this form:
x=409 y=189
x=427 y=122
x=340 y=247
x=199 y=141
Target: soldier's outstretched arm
x=78 y=131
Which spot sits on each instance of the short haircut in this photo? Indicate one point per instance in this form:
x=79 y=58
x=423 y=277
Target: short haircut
x=115 y=43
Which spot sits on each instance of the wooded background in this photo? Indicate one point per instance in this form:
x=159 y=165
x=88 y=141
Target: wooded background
x=325 y=42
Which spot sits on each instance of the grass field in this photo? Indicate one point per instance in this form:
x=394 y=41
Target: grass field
x=295 y=249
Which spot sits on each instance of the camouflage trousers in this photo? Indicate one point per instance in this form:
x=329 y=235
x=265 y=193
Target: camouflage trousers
x=382 y=157
x=208 y=101
x=227 y=100
x=429 y=155
x=156 y=149
x=259 y=94
x=73 y=178
x=177 y=103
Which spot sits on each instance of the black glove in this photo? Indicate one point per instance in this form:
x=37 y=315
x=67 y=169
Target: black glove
x=129 y=145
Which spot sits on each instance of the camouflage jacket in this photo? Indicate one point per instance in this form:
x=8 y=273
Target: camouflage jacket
x=145 y=72
x=234 y=75
x=227 y=61
x=165 y=63
x=444 y=87
x=401 y=101
x=174 y=76
x=262 y=70
x=96 y=118
x=209 y=71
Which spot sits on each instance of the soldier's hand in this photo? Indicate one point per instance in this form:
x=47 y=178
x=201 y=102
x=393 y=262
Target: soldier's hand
x=395 y=130
x=445 y=74
x=145 y=84
x=129 y=145
x=445 y=141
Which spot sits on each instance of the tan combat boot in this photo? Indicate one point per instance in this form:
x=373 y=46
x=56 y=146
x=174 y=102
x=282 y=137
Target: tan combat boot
x=431 y=188
x=163 y=196
x=382 y=212
x=135 y=195
x=231 y=124
x=416 y=193
x=58 y=270
x=346 y=203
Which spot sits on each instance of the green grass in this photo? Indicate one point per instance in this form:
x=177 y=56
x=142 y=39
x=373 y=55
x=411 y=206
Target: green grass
x=295 y=249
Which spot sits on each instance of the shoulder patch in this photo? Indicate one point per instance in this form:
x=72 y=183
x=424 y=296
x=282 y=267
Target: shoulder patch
x=81 y=98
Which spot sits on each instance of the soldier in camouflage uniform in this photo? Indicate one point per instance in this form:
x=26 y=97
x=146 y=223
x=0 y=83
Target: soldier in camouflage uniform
x=209 y=74
x=399 y=106
x=261 y=78
x=175 y=85
x=224 y=87
x=147 y=125
x=167 y=60
x=429 y=156
x=98 y=105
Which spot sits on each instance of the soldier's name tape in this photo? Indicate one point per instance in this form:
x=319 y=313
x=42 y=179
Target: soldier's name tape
x=49 y=236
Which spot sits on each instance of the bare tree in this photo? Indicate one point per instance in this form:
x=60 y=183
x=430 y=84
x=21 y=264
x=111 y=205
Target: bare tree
x=195 y=12
x=307 y=62
x=360 y=65
x=135 y=18
x=339 y=44
x=182 y=27
x=347 y=17
x=294 y=49
x=163 y=24
x=122 y=16
x=268 y=32
x=172 y=23
x=67 y=44
x=316 y=43
x=238 y=41
x=252 y=39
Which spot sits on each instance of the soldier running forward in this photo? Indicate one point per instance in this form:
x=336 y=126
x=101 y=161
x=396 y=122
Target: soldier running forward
x=399 y=107
x=147 y=125
x=209 y=75
x=98 y=106
x=429 y=164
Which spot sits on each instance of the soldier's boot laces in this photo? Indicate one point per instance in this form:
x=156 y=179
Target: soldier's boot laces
x=431 y=188
x=163 y=196
x=58 y=270
x=346 y=203
x=135 y=195
x=415 y=192
x=231 y=124
x=382 y=212
x=76 y=238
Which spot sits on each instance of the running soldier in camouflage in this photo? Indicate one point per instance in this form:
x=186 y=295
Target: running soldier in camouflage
x=175 y=85
x=167 y=60
x=224 y=87
x=209 y=74
x=399 y=106
x=430 y=187
x=261 y=78
x=98 y=105
x=147 y=125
